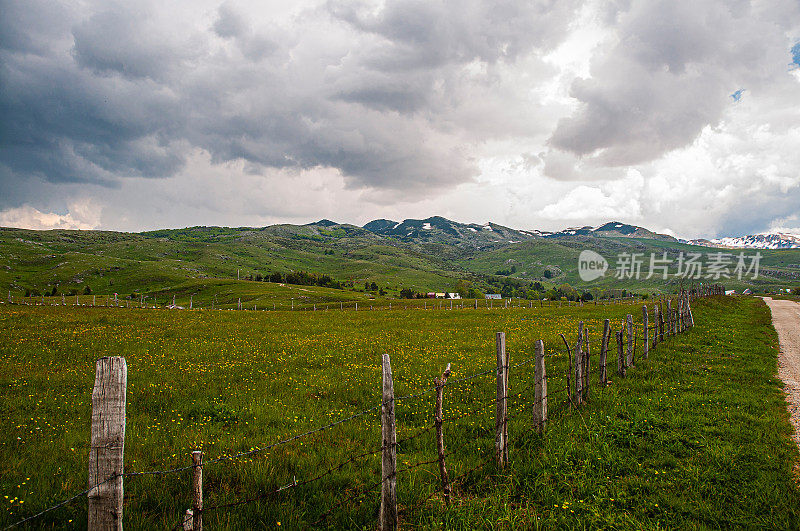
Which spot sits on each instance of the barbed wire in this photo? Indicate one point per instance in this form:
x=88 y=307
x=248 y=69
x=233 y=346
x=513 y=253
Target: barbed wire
x=662 y=333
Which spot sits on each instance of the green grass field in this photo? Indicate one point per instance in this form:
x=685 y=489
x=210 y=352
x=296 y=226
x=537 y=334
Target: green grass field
x=697 y=436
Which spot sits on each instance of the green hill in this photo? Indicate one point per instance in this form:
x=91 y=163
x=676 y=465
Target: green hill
x=426 y=255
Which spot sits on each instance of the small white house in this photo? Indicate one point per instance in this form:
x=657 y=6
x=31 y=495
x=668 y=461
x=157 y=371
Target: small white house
x=453 y=295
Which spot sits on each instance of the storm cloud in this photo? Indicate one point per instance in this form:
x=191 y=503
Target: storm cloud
x=127 y=89
x=424 y=107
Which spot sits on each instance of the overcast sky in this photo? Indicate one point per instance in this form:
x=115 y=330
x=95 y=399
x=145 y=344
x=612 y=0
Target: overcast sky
x=680 y=116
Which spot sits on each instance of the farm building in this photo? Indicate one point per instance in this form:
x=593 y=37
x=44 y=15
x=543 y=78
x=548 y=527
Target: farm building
x=493 y=296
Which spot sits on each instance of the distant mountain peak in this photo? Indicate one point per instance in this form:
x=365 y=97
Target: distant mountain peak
x=324 y=223
x=378 y=225
x=437 y=229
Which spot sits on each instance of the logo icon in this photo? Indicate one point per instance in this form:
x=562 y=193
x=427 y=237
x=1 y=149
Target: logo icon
x=591 y=265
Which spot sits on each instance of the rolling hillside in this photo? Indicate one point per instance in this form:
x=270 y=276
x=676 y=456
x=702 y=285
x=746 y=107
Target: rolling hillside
x=433 y=254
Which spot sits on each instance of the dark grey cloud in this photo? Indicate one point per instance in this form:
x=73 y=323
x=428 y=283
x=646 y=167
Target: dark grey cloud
x=97 y=92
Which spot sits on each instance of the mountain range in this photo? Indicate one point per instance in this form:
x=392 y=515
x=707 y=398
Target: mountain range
x=437 y=227
x=432 y=254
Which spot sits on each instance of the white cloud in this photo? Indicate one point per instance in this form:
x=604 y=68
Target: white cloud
x=83 y=215
x=616 y=200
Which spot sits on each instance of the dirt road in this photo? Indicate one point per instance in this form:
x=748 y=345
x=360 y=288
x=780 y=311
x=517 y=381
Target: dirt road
x=786 y=319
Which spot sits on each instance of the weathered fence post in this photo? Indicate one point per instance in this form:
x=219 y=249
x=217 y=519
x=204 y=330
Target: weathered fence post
x=440 y=383
x=539 y=388
x=655 y=325
x=500 y=402
x=604 y=352
x=586 y=367
x=197 y=490
x=578 y=392
x=675 y=324
x=629 y=357
x=107 y=444
x=620 y=355
x=388 y=511
x=646 y=332
x=669 y=317
x=691 y=317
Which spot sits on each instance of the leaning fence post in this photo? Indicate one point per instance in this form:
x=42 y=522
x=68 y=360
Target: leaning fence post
x=539 y=388
x=500 y=402
x=646 y=332
x=107 y=445
x=604 y=352
x=388 y=511
x=578 y=392
x=620 y=355
x=440 y=383
x=197 y=490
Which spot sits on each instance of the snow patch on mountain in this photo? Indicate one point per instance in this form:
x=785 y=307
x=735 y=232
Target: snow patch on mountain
x=778 y=240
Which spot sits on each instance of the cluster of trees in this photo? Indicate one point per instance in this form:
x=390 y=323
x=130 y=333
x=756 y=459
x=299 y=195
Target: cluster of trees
x=54 y=292
x=373 y=287
x=506 y=272
x=301 y=278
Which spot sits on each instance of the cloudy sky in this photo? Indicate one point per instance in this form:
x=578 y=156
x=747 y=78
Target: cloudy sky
x=681 y=116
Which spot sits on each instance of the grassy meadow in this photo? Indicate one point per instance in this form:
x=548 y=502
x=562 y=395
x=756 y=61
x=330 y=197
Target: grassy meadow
x=697 y=436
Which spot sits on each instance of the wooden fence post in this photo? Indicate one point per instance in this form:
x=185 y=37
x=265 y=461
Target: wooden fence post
x=197 y=490
x=604 y=352
x=669 y=317
x=107 y=445
x=675 y=319
x=578 y=392
x=646 y=332
x=586 y=367
x=500 y=402
x=388 y=511
x=539 y=388
x=437 y=419
x=691 y=317
x=655 y=325
x=620 y=355
x=629 y=356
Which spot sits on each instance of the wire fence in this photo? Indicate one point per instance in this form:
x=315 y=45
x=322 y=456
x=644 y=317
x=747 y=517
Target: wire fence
x=184 y=301
x=565 y=390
